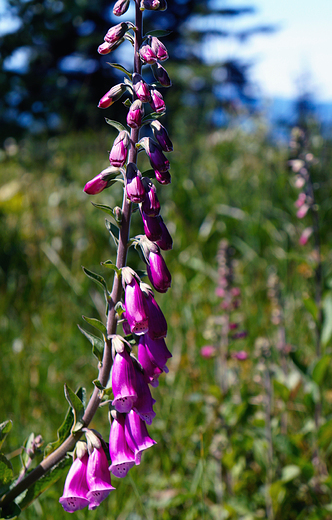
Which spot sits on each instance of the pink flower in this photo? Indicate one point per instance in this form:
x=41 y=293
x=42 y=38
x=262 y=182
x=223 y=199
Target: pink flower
x=137 y=436
x=147 y=55
x=145 y=402
x=135 y=114
x=157 y=102
x=152 y=228
x=134 y=186
x=165 y=242
x=208 y=351
x=118 y=154
x=112 y=95
x=306 y=234
x=241 y=355
x=300 y=200
x=158 y=273
x=150 y=204
x=121 y=455
x=301 y=213
x=141 y=88
x=98 y=478
x=123 y=382
x=136 y=309
x=76 y=487
x=158 y=48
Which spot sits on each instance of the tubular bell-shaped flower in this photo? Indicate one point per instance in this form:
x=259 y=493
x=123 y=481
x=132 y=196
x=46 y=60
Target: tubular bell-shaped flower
x=152 y=227
x=165 y=242
x=137 y=436
x=157 y=351
x=157 y=102
x=147 y=55
x=121 y=455
x=135 y=114
x=150 y=204
x=76 y=487
x=161 y=75
x=101 y=181
x=112 y=95
x=158 y=273
x=161 y=135
x=145 y=402
x=157 y=159
x=115 y=33
x=135 y=305
x=98 y=478
x=121 y=7
x=141 y=88
x=158 y=48
x=151 y=371
x=157 y=321
x=123 y=382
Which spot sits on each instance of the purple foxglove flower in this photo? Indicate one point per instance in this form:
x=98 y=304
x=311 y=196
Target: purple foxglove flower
x=158 y=274
x=161 y=75
x=150 y=204
x=208 y=351
x=136 y=309
x=158 y=48
x=135 y=114
x=134 y=186
x=157 y=102
x=125 y=325
x=101 y=181
x=121 y=7
x=115 y=33
x=153 y=5
x=121 y=455
x=112 y=95
x=157 y=321
x=123 y=382
x=241 y=355
x=152 y=227
x=306 y=234
x=145 y=402
x=163 y=177
x=137 y=436
x=157 y=351
x=301 y=213
x=104 y=48
x=76 y=487
x=165 y=242
x=161 y=136
x=151 y=371
x=98 y=478
x=141 y=88
x=147 y=55
x=118 y=154
x=158 y=160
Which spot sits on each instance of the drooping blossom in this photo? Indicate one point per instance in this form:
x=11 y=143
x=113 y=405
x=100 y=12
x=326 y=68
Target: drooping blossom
x=161 y=75
x=141 y=88
x=137 y=436
x=135 y=114
x=121 y=7
x=301 y=213
x=208 y=351
x=150 y=204
x=305 y=235
x=119 y=151
x=241 y=355
x=121 y=455
x=151 y=371
x=147 y=55
x=157 y=351
x=145 y=402
x=123 y=382
x=134 y=186
x=157 y=102
x=135 y=305
x=165 y=242
x=115 y=33
x=158 y=273
x=101 y=181
x=98 y=478
x=76 y=487
x=157 y=320
x=152 y=228
x=161 y=135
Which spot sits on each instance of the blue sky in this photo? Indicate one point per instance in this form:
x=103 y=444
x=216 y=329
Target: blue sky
x=301 y=46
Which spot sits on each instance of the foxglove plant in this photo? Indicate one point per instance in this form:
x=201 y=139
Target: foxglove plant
x=130 y=302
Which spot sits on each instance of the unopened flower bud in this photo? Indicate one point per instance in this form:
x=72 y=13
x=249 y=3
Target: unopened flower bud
x=300 y=200
x=141 y=88
x=92 y=439
x=158 y=274
x=158 y=48
x=112 y=95
x=161 y=135
x=118 y=154
x=150 y=204
x=165 y=242
x=306 y=234
x=161 y=75
x=101 y=181
x=134 y=186
x=121 y=7
x=115 y=33
x=301 y=213
x=157 y=158
x=157 y=102
x=135 y=114
x=152 y=227
x=147 y=55
x=153 y=5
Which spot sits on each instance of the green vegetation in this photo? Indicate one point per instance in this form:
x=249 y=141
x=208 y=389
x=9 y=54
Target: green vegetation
x=225 y=184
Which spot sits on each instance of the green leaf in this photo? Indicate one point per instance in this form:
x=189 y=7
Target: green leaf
x=5 y=428
x=281 y=390
x=149 y=118
x=113 y=231
x=98 y=384
x=77 y=407
x=311 y=307
x=6 y=470
x=327 y=322
x=110 y=265
x=62 y=433
x=149 y=173
x=158 y=33
x=118 y=126
x=96 y=278
x=10 y=511
x=105 y=208
x=26 y=448
x=320 y=369
x=290 y=472
x=123 y=69
x=97 y=324
x=45 y=482
x=97 y=343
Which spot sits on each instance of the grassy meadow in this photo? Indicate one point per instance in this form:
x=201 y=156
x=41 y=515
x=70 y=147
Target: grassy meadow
x=247 y=452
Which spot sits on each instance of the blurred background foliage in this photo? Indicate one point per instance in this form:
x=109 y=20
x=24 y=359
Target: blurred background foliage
x=247 y=453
